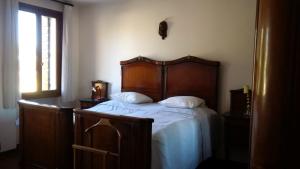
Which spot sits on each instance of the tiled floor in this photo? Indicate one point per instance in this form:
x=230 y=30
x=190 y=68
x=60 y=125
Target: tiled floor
x=10 y=160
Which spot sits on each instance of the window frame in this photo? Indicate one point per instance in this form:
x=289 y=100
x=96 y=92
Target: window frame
x=39 y=11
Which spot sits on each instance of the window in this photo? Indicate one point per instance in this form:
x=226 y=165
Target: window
x=40 y=50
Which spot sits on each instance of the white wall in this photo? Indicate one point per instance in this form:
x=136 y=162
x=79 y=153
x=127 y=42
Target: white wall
x=211 y=29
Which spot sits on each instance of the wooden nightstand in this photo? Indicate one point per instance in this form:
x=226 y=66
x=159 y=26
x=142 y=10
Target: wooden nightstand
x=88 y=102
x=237 y=128
x=237 y=137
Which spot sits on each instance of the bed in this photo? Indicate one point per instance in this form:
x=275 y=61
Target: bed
x=120 y=135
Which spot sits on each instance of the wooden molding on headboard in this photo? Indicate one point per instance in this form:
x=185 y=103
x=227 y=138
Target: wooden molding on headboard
x=186 y=76
x=140 y=59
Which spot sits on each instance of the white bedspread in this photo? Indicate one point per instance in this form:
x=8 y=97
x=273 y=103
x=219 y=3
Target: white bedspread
x=181 y=138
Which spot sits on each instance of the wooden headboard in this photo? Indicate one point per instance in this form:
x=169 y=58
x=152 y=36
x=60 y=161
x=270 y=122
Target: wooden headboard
x=192 y=76
x=187 y=76
x=143 y=75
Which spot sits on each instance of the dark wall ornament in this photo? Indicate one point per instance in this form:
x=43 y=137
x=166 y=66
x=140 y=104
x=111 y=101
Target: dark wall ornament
x=163 y=29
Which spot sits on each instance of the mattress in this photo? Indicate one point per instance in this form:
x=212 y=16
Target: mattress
x=181 y=138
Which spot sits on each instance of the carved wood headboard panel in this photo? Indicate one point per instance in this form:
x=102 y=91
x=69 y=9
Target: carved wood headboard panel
x=143 y=75
x=192 y=76
x=187 y=76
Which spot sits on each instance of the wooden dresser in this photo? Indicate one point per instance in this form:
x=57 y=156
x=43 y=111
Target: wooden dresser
x=46 y=136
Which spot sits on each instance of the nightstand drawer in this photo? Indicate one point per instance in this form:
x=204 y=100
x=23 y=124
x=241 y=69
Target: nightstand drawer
x=238 y=137
x=237 y=122
x=88 y=103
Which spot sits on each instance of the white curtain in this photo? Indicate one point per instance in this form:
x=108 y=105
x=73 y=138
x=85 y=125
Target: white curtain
x=9 y=74
x=10 y=66
x=70 y=55
x=1 y=51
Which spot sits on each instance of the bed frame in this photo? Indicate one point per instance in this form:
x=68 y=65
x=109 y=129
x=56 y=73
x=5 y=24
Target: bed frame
x=111 y=141
x=46 y=136
x=185 y=76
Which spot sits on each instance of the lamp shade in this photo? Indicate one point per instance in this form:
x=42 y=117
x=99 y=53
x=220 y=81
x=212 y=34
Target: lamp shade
x=246 y=89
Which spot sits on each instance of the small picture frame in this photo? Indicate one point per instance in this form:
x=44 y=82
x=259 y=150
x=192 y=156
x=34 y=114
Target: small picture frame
x=99 y=90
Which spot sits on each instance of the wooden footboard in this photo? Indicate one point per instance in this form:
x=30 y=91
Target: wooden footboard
x=46 y=136
x=111 y=141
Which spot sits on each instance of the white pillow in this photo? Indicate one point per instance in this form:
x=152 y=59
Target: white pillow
x=182 y=102
x=131 y=97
